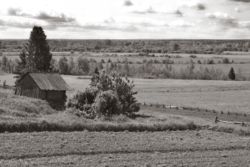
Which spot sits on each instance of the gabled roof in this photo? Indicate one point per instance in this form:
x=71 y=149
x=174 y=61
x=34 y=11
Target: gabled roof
x=48 y=81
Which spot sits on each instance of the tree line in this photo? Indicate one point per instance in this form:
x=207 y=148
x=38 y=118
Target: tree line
x=36 y=57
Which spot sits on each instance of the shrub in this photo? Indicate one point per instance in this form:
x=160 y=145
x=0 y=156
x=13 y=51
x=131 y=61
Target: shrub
x=199 y=62
x=83 y=98
x=107 y=104
x=226 y=61
x=193 y=56
x=108 y=95
x=123 y=88
x=210 y=61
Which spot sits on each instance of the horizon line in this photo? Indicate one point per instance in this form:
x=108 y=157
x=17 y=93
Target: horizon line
x=124 y=39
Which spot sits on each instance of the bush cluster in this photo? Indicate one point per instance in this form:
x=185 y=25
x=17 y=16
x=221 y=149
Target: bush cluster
x=108 y=95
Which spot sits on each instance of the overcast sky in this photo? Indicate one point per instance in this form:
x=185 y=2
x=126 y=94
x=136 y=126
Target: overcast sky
x=127 y=19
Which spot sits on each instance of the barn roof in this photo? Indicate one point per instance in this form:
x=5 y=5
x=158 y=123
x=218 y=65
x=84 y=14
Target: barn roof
x=49 y=81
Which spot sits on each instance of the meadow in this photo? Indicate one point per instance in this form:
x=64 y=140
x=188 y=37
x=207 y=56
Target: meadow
x=41 y=136
x=152 y=65
x=237 y=57
x=225 y=96
x=176 y=123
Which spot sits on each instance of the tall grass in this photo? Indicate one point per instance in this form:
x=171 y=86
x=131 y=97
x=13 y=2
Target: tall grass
x=131 y=127
x=11 y=104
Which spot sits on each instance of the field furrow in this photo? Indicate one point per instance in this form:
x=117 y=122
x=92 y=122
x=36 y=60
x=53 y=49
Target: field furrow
x=197 y=158
x=49 y=144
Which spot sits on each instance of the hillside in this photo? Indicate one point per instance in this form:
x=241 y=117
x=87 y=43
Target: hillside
x=17 y=108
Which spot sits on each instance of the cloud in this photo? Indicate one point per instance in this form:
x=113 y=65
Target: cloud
x=146 y=24
x=100 y=27
x=223 y=19
x=178 y=13
x=61 y=18
x=200 y=6
x=128 y=3
x=53 y=21
x=228 y=22
x=14 y=12
x=56 y=21
x=236 y=9
x=54 y=18
x=17 y=12
x=150 y=10
x=247 y=1
x=181 y=23
x=13 y=24
x=196 y=6
x=245 y=24
x=110 y=20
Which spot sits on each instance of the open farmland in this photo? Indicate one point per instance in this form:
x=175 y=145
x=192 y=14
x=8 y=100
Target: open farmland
x=243 y=57
x=138 y=61
x=226 y=96
x=145 y=148
x=189 y=148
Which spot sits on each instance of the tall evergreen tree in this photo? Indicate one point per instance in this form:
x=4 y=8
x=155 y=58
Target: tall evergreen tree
x=36 y=54
x=231 y=74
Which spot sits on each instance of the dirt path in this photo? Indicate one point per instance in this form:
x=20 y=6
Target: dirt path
x=203 y=114
x=123 y=148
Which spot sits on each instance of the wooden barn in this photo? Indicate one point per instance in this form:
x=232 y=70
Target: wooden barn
x=46 y=86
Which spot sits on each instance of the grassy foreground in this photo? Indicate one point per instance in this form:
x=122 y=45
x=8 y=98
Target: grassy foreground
x=174 y=148
x=48 y=126
x=22 y=114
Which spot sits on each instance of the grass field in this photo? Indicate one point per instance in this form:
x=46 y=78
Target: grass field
x=241 y=62
x=157 y=137
x=226 y=96
x=133 y=57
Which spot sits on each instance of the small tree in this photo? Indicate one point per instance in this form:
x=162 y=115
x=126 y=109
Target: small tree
x=83 y=65
x=96 y=71
x=4 y=63
x=71 y=65
x=231 y=74
x=176 y=47
x=226 y=61
x=63 y=65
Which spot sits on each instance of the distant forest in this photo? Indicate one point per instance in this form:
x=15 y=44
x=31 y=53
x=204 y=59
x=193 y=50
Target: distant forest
x=132 y=46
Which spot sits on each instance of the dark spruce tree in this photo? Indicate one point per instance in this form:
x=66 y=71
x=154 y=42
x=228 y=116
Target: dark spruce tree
x=231 y=74
x=36 y=56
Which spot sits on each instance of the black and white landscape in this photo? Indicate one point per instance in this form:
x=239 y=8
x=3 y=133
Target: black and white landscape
x=125 y=83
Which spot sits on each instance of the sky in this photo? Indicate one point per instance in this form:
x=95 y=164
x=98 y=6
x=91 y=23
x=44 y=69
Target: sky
x=126 y=19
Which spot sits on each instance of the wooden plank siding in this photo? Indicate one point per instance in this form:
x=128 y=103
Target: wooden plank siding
x=49 y=87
